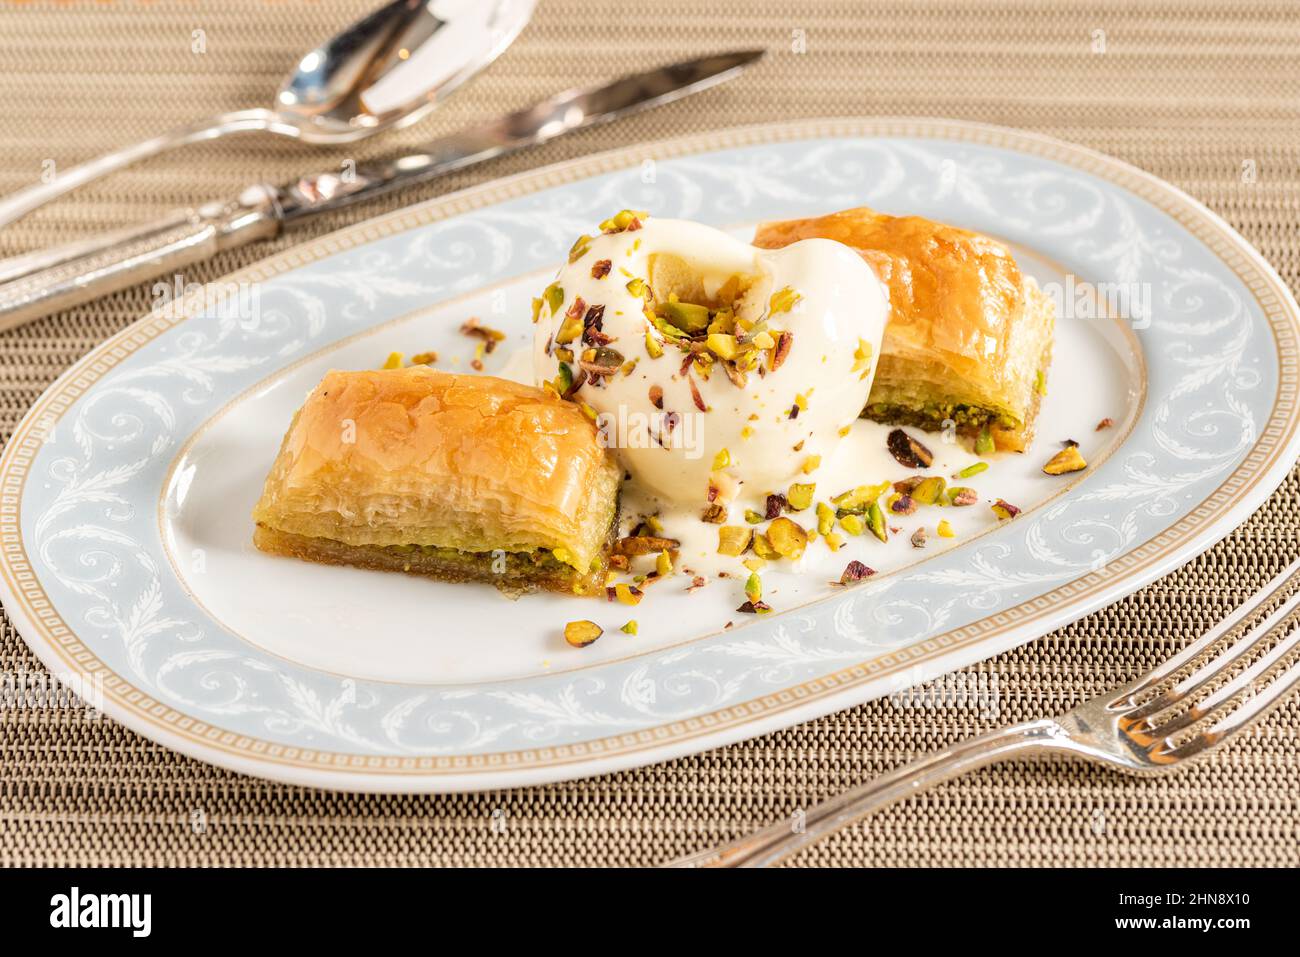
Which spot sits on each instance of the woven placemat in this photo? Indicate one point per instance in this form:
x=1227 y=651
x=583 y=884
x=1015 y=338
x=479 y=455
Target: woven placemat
x=1194 y=92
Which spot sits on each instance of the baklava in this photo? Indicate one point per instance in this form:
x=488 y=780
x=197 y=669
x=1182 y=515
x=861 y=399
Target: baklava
x=969 y=338
x=454 y=477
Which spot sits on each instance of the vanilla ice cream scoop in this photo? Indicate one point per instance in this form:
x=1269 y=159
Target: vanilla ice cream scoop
x=712 y=367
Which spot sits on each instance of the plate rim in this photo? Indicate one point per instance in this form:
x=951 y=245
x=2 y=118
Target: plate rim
x=812 y=698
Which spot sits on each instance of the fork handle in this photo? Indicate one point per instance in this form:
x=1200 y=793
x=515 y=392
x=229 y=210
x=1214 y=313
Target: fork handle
x=768 y=846
x=40 y=283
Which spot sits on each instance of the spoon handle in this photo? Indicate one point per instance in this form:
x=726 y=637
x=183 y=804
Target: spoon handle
x=19 y=204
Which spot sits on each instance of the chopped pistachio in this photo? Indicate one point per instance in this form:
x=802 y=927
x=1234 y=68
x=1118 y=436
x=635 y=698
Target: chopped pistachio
x=1004 y=510
x=928 y=490
x=630 y=628
x=753 y=517
x=537 y=308
x=800 y=495
x=588 y=411
x=962 y=495
x=663 y=564
x=902 y=504
x=1069 y=459
x=973 y=469
x=858 y=499
x=787 y=538
x=920 y=537
x=394 y=361
x=1040 y=382
x=834 y=541
x=579 y=248
x=754 y=587
x=810 y=464
x=554 y=296
x=686 y=316
x=667 y=329
x=622 y=220
x=764 y=549
x=853 y=524
x=570 y=329
x=825 y=518
x=564 y=379
x=876 y=522
x=908 y=451
x=945 y=530
x=754 y=564
x=862 y=357
x=721 y=345
x=644 y=543
x=722 y=460
x=652 y=346
x=715 y=514
x=734 y=540
x=601 y=361
x=723 y=322
x=984 y=444
x=582 y=633
x=636 y=287
x=747 y=432
x=783 y=300
x=764 y=340
x=627 y=594
x=784 y=342
x=855 y=571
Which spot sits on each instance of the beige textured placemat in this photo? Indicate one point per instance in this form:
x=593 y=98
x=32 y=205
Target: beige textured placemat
x=1190 y=91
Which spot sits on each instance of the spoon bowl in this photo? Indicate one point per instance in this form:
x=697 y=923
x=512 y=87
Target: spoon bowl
x=385 y=71
x=392 y=67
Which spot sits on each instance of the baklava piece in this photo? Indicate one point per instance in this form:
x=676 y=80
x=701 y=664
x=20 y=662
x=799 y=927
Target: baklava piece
x=455 y=477
x=969 y=338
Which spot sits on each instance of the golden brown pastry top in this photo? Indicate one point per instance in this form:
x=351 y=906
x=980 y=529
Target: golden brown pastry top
x=418 y=456
x=950 y=290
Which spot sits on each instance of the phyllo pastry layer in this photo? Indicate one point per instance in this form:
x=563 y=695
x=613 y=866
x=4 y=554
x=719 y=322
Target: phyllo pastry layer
x=969 y=337
x=457 y=477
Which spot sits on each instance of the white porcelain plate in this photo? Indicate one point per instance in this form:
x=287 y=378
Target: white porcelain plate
x=125 y=493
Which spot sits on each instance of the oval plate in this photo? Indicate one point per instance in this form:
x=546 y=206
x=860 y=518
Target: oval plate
x=103 y=577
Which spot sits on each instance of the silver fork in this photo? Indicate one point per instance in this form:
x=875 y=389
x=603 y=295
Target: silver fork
x=1123 y=729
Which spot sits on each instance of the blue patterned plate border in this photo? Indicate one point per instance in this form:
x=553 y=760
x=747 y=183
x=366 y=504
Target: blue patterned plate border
x=1218 y=436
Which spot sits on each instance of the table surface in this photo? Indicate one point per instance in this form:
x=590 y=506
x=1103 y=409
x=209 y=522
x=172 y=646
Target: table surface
x=1193 y=92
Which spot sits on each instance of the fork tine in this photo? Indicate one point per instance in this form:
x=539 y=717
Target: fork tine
x=1215 y=666
x=1221 y=697
x=1236 y=720
x=1178 y=661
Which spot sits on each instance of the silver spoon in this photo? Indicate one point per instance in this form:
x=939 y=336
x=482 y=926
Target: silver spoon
x=383 y=72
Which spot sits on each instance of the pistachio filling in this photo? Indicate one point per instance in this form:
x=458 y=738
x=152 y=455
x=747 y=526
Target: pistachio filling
x=539 y=559
x=932 y=416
